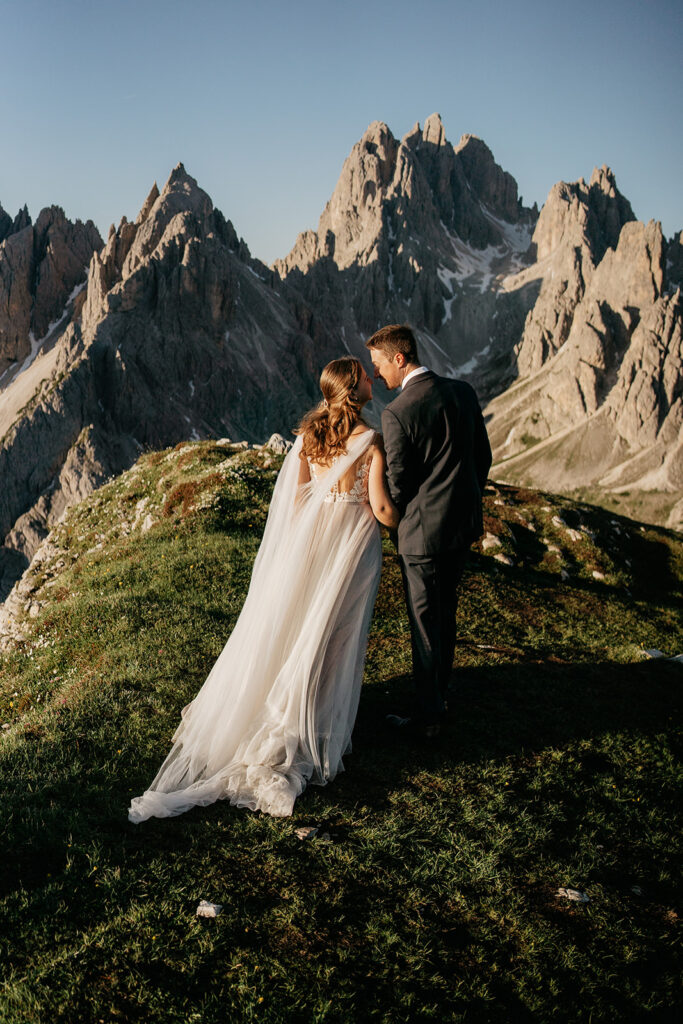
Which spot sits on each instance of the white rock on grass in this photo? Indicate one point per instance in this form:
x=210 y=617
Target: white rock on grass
x=139 y=509
x=573 y=894
x=505 y=559
x=278 y=444
x=490 y=541
x=307 y=832
x=598 y=575
x=208 y=909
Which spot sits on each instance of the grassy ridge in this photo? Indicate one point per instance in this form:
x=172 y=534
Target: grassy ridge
x=436 y=897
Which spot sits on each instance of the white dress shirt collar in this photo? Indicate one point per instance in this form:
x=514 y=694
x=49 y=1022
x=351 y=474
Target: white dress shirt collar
x=414 y=373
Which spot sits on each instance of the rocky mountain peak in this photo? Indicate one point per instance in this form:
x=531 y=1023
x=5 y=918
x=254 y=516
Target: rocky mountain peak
x=632 y=274
x=611 y=210
x=414 y=231
x=395 y=198
x=180 y=333
x=22 y=220
x=180 y=211
x=179 y=176
x=589 y=216
x=373 y=158
x=489 y=182
x=412 y=137
x=148 y=204
x=11 y=227
x=599 y=402
x=41 y=265
x=352 y=219
x=182 y=194
x=51 y=217
x=603 y=177
x=434 y=130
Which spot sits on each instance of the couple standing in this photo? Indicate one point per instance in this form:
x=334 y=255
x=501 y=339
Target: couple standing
x=277 y=709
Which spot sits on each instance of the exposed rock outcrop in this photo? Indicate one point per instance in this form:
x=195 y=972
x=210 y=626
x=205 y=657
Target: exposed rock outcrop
x=606 y=409
x=490 y=183
x=8 y=226
x=41 y=265
x=576 y=226
x=181 y=333
x=419 y=231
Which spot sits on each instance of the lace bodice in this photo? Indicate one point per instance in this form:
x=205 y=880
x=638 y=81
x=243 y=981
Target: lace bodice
x=353 y=488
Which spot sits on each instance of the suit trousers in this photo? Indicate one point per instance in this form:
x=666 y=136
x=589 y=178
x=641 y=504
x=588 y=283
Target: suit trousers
x=431 y=585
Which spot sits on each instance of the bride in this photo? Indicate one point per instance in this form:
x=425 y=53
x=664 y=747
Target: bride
x=277 y=709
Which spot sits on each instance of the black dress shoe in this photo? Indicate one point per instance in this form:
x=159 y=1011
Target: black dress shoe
x=413 y=727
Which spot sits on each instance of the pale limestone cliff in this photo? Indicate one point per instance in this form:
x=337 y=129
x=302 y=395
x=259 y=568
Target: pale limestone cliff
x=576 y=226
x=419 y=231
x=605 y=411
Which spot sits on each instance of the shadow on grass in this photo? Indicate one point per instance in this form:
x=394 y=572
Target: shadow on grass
x=512 y=710
x=497 y=712
x=500 y=712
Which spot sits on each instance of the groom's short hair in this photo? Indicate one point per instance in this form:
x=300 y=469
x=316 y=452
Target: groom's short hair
x=395 y=338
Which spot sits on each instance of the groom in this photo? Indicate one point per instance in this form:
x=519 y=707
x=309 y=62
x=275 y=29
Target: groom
x=438 y=458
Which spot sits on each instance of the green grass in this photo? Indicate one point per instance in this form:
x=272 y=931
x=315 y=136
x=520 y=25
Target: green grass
x=436 y=897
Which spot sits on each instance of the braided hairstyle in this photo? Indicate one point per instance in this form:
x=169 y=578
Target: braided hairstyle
x=327 y=427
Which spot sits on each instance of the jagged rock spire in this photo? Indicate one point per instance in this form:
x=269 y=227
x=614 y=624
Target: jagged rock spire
x=10 y=227
x=434 y=130
x=148 y=204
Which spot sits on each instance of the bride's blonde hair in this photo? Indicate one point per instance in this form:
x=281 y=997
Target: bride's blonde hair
x=326 y=428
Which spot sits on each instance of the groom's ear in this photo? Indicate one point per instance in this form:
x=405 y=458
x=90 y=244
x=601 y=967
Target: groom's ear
x=399 y=359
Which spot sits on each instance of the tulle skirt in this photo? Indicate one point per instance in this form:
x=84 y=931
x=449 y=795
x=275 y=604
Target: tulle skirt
x=278 y=707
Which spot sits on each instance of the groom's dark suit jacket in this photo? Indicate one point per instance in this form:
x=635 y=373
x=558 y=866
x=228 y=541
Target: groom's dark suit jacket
x=438 y=458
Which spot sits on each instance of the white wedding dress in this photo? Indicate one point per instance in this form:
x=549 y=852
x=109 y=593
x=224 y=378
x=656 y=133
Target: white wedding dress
x=278 y=707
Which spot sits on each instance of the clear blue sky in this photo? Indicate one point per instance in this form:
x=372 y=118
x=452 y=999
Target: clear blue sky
x=263 y=100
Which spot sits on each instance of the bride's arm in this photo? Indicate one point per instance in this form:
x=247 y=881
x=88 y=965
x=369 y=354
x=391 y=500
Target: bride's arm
x=378 y=492
x=304 y=471
x=304 y=478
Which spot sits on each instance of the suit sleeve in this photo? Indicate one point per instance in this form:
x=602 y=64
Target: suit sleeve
x=482 y=448
x=400 y=451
